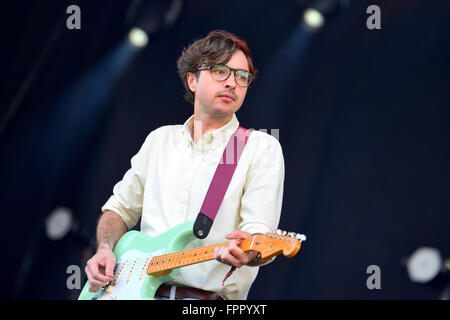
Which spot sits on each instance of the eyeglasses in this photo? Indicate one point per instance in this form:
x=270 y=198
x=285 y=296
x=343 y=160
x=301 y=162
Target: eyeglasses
x=221 y=73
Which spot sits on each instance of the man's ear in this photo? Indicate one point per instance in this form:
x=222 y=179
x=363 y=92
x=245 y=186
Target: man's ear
x=191 y=81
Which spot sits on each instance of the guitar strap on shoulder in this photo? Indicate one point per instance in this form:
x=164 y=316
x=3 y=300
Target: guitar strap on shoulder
x=220 y=182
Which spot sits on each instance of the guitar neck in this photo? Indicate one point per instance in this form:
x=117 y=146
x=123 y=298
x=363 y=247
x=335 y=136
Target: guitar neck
x=166 y=262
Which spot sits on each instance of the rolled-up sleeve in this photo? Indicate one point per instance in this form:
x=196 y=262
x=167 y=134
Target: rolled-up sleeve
x=128 y=193
x=263 y=193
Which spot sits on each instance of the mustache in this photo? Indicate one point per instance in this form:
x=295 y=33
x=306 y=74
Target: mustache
x=228 y=92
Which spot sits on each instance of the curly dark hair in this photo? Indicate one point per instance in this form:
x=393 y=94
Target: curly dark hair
x=216 y=48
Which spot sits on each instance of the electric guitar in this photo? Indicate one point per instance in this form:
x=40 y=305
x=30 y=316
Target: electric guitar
x=143 y=263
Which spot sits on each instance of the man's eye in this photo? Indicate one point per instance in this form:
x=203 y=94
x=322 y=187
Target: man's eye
x=243 y=76
x=219 y=70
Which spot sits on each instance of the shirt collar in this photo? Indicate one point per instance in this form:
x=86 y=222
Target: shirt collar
x=212 y=138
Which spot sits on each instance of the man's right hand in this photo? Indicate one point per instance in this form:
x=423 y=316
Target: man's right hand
x=100 y=268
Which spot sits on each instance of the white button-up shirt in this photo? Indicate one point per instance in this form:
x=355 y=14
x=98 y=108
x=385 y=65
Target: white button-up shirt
x=167 y=183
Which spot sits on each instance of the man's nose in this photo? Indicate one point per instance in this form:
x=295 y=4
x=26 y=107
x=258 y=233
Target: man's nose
x=230 y=82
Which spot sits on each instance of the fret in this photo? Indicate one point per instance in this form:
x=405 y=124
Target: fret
x=184 y=258
x=178 y=261
x=164 y=263
x=158 y=264
x=151 y=265
x=154 y=264
x=169 y=262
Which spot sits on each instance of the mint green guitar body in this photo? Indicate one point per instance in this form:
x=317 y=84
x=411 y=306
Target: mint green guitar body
x=133 y=252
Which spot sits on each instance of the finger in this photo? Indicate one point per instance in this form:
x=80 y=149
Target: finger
x=243 y=257
x=93 y=289
x=102 y=278
x=109 y=268
x=231 y=260
x=225 y=256
x=252 y=254
x=235 y=250
x=95 y=272
x=237 y=234
x=94 y=285
x=97 y=284
x=88 y=273
x=218 y=252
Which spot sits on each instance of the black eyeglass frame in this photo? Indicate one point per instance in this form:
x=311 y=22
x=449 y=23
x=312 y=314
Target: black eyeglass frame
x=232 y=70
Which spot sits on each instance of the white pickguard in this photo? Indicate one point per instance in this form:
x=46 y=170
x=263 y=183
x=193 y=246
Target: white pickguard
x=129 y=275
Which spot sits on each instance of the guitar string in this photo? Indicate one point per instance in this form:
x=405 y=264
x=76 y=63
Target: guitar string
x=202 y=251
x=187 y=255
x=191 y=254
x=200 y=254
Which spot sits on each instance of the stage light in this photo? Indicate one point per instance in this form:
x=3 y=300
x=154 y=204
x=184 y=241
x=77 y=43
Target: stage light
x=319 y=12
x=138 y=37
x=427 y=266
x=424 y=264
x=58 y=223
x=313 y=18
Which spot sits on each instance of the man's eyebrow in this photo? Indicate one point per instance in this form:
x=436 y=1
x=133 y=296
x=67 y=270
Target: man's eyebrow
x=236 y=68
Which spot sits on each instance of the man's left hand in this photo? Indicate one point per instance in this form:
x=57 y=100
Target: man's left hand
x=232 y=255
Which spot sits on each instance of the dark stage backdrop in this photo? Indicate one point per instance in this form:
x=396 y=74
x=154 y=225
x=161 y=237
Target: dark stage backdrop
x=362 y=116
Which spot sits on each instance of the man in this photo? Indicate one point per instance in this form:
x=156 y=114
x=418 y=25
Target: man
x=171 y=173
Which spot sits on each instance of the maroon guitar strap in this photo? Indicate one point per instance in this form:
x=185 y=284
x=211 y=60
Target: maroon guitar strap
x=220 y=182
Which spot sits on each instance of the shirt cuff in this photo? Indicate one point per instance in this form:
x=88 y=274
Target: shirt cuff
x=255 y=227
x=127 y=217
